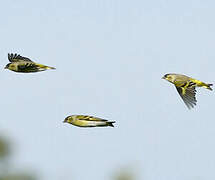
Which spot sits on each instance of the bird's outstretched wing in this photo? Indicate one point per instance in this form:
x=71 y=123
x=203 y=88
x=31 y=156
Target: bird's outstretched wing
x=188 y=94
x=16 y=58
x=90 y=118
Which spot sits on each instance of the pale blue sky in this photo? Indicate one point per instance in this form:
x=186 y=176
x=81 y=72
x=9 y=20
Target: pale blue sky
x=110 y=57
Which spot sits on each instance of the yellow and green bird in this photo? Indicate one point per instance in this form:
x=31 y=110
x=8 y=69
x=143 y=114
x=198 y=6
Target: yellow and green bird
x=87 y=121
x=186 y=87
x=24 y=65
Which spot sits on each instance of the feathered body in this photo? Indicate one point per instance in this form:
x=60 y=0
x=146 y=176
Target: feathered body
x=186 y=87
x=24 y=65
x=88 y=121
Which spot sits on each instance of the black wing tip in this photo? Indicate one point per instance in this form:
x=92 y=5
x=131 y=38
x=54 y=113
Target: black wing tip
x=189 y=98
x=191 y=106
x=11 y=56
x=190 y=103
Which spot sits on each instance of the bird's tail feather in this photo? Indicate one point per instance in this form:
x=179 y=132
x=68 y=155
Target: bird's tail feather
x=45 y=67
x=48 y=67
x=209 y=86
x=110 y=123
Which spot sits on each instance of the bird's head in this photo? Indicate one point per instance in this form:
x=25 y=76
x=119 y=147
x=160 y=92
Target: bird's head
x=168 y=77
x=11 y=66
x=7 y=66
x=67 y=119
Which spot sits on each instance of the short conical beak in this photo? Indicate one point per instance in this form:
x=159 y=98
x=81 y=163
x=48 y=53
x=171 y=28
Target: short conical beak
x=163 y=77
x=5 y=67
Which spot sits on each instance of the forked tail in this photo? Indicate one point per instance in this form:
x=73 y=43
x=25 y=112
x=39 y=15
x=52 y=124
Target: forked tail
x=209 y=86
x=110 y=123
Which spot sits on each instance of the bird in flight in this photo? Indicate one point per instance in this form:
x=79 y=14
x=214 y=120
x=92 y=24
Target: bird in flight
x=87 y=121
x=24 y=65
x=186 y=87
